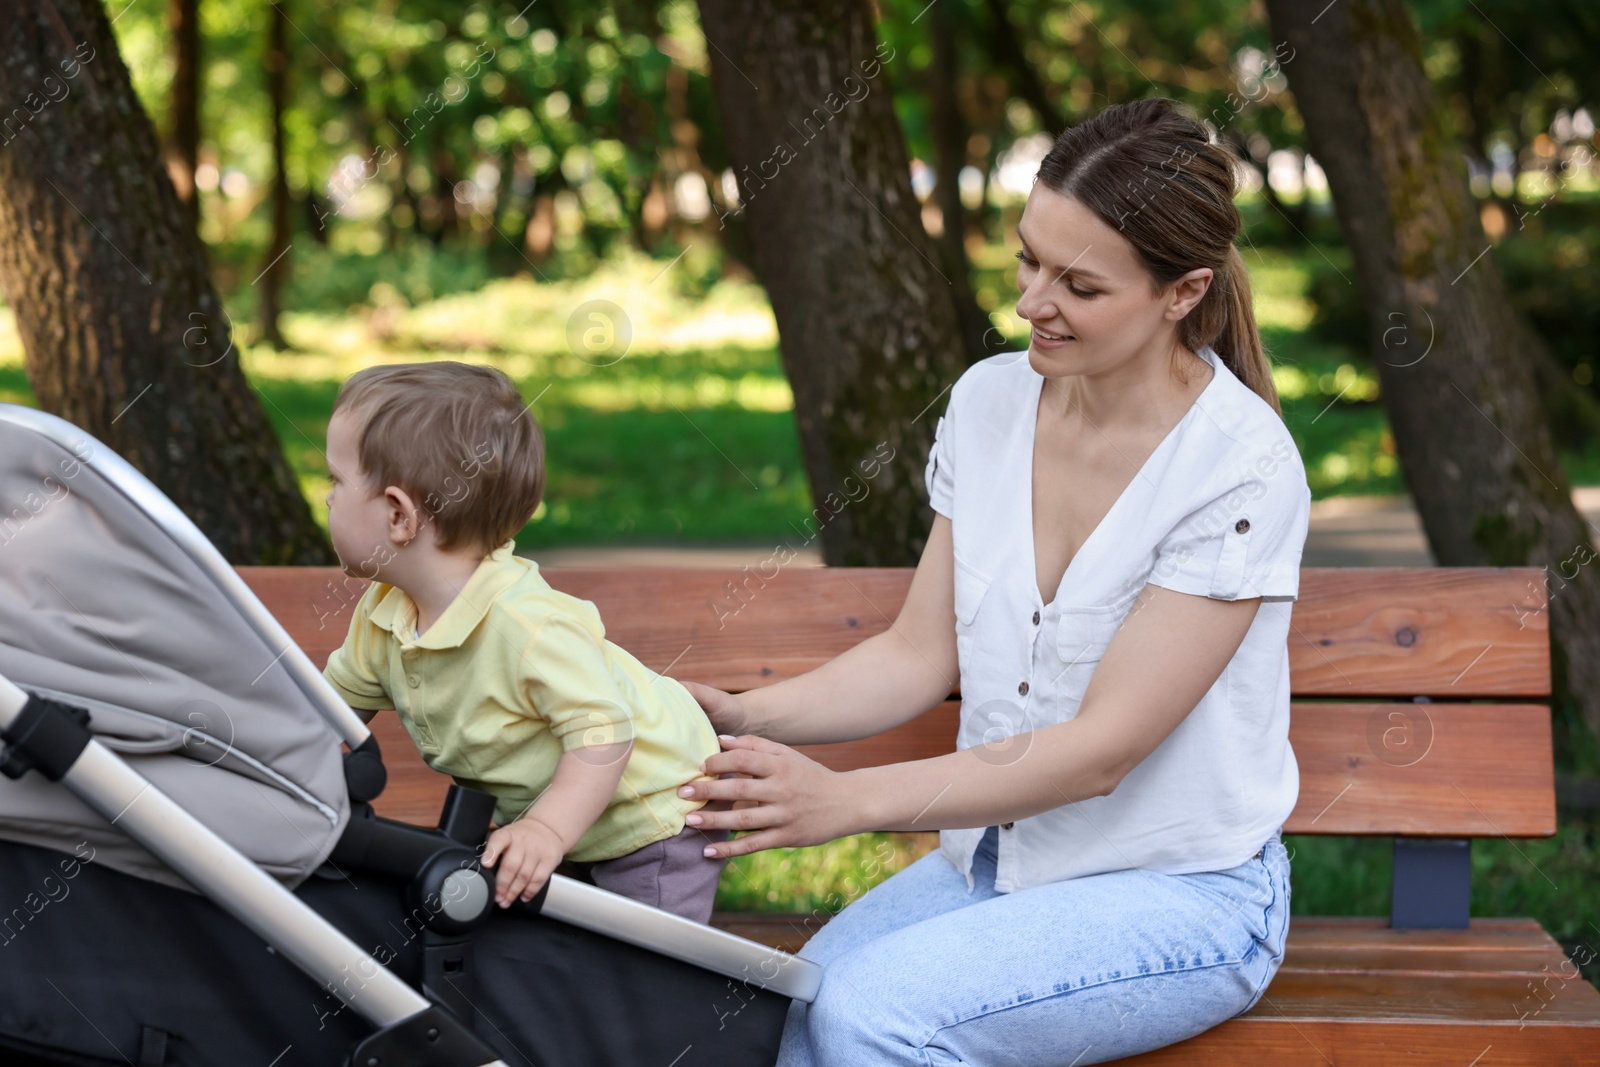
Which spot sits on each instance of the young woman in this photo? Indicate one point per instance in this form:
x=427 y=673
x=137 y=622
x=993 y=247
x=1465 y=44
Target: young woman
x=1120 y=514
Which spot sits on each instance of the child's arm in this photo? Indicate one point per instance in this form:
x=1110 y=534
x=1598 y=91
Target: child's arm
x=351 y=667
x=530 y=848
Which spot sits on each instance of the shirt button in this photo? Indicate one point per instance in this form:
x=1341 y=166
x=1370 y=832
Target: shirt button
x=1007 y=825
x=1023 y=688
x=1241 y=526
x=1036 y=618
x=413 y=681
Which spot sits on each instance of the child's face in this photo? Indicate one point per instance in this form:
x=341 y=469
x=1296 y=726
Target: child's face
x=358 y=519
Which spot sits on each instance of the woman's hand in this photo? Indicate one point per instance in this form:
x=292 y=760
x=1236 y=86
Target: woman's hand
x=726 y=711
x=788 y=799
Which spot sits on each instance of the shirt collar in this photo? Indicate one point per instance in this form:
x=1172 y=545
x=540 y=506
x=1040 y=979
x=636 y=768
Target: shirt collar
x=397 y=612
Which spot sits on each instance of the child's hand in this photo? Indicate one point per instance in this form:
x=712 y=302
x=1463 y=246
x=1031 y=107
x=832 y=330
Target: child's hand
x=725 y=710
x=530 y=851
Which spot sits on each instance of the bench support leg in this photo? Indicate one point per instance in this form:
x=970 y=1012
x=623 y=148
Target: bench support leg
x=1432 y=883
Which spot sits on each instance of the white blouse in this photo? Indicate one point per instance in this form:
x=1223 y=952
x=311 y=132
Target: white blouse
x=1220 y=509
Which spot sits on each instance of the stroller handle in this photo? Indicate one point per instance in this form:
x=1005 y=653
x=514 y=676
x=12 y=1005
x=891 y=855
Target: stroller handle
x=101 y=779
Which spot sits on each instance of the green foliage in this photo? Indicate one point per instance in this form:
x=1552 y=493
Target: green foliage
x=327 y=280
x=1551 y=262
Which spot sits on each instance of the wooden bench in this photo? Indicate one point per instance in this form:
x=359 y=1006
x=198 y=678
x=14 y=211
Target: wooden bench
x=1417 y=716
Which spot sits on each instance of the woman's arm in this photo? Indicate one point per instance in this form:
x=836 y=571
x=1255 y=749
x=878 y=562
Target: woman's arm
x=888 y=679
x=1171 y=648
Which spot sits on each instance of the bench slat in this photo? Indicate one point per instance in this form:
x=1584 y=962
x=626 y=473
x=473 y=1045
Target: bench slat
x=1364 y=933
x=1470 y=999
x=1521 y=947
x=1486 y=771
x=1367 y=945
x=1456 y=633
x=930 y=734
x=1356 y=991
x=1316 y=1042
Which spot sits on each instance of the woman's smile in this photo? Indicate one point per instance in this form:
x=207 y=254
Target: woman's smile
x=1044 y=339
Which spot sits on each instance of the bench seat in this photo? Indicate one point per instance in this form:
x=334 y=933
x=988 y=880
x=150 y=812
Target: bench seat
x=1353 y=990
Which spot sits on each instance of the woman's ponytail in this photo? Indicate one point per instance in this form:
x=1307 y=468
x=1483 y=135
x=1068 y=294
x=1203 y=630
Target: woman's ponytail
x=1229 y=326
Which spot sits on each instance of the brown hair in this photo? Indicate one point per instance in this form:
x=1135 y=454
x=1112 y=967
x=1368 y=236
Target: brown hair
x=1151 y=169
x=457 y=438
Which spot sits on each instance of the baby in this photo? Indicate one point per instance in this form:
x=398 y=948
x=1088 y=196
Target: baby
x=504 y=684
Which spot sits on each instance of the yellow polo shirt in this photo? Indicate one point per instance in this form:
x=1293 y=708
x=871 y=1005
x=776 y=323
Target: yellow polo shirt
x=511 y=676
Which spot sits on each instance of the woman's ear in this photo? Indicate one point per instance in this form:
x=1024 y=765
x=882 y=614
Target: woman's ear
x=1187 y=291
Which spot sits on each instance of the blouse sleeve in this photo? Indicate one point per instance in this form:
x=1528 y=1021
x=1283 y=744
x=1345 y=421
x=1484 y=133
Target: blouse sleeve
x=940 y=473
x=1245 y=542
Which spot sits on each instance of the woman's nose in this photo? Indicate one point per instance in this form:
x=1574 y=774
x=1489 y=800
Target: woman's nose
x=1035 y=304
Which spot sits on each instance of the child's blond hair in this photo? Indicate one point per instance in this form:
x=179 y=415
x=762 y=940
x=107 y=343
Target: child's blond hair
x=457 y=438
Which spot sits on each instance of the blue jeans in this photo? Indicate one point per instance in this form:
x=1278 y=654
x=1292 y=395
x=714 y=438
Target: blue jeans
x=920 y=971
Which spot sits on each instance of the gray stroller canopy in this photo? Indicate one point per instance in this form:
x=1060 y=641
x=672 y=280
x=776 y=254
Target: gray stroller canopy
x=110 y=598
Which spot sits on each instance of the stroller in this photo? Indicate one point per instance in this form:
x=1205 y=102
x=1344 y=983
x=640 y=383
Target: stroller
x=191 y=871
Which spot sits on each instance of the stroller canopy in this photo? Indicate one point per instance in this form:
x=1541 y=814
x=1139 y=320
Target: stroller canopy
x=111 y=599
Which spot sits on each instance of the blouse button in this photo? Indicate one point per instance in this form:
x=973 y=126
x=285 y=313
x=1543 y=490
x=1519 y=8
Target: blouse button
x=1241 y=526
x=413 y=681
x=1023 y=688
x=1036 y=618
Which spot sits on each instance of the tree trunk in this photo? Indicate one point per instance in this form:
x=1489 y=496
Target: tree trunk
x=950 y=146
x=123 y=332
x=276 y=266
x=1473 y=442
x=868 y=327
x=183 y=139
x=1006 y=46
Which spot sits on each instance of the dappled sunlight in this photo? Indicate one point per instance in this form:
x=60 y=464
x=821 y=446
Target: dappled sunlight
x=1365 y=457
x=10 y=342
x=1278 y=288
x=748 y=393
x=522 y=315
x=1345 y=383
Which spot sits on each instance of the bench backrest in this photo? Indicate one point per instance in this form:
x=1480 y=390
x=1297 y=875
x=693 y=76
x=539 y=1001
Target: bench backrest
x=1365 y=643
x=1416 y=690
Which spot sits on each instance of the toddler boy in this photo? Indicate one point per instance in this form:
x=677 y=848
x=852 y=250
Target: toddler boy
x=505 y=684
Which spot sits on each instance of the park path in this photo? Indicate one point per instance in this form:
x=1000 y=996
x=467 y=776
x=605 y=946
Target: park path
x=1362 y=531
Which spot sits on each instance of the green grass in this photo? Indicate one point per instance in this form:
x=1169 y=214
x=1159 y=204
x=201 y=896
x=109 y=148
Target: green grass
x=818 y=880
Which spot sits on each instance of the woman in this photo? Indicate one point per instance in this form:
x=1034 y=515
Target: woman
x=1119 y=522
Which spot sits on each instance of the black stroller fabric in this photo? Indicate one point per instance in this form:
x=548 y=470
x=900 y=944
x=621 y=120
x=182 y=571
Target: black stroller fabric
x=100 y=968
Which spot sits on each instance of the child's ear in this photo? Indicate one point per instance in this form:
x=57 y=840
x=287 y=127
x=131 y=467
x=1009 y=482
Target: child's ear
x=405 y=518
